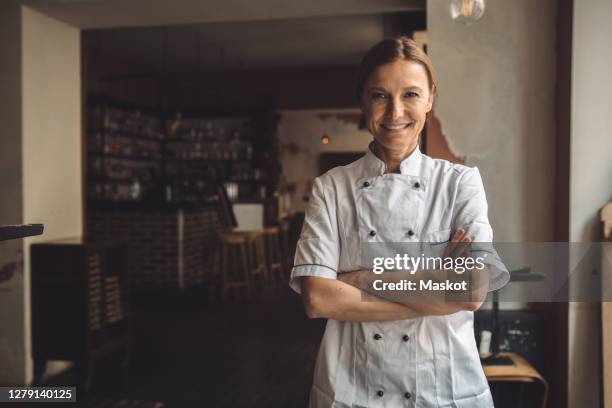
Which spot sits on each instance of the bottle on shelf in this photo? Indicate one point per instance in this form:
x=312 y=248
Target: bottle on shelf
x=168 y=193
x=136 y=188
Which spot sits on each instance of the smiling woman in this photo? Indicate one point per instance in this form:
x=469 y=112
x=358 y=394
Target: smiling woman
x=396 y=88
x=387 y=353
x=396 y=101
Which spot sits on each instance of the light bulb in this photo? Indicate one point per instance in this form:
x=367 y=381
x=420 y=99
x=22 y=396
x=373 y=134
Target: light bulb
x=467 y=11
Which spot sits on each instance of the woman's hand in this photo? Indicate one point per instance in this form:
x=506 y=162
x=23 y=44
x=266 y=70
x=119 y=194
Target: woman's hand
x=459 y=244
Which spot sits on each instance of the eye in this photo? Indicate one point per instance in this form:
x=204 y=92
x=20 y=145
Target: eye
x=412 y=94
x=378 y=96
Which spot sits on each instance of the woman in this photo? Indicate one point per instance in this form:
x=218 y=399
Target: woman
x=392 y=354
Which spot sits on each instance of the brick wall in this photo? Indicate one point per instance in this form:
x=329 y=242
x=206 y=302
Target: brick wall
x=166 y=249
x=200 y=241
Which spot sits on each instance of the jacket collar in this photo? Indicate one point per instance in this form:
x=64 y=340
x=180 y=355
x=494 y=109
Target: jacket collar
x=376 y=167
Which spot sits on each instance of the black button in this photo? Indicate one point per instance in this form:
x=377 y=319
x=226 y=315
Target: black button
x=377 y=336
x=366 y=184
x=406 y=337
x=408 y=395
x=417 y=185
x=380 y=393
x=372 y=233
x=410 y=233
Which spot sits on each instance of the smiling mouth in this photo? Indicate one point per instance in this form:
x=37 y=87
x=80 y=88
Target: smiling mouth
x=400 y=126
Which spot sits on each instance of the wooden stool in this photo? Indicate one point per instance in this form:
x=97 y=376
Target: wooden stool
x=234 y=263
x=273 y=253
x=286 y=246
x=258 y=264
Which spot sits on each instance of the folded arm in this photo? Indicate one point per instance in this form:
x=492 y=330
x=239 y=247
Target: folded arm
x=343 y=299
x=334 y=299
x=472 y=283
x=426 y=302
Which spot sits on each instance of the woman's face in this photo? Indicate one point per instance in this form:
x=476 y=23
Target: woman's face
x=395 y=102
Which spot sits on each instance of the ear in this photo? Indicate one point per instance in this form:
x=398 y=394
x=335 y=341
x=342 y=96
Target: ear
x=430 y=100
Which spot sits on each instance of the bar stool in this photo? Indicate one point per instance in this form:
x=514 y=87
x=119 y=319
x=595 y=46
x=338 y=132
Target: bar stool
x=258 y=264
x=234 y=263
x=273 y=253
x=285 y=244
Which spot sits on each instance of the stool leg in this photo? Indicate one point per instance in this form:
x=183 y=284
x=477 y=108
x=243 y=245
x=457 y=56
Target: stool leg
x=224 y=271
x=274 y=257
x=245 y=269
x=258 y=260
x=263 y=259
x=251 y=252
x=278 y=258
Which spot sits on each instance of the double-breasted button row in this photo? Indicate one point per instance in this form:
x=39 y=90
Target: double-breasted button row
x=367 y=184
x=378 y=336
x=410 y=233
x=381 y=393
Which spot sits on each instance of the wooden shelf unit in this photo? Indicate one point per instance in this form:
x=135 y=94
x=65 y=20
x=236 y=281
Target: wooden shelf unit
x=177 y=159
x=80 y=304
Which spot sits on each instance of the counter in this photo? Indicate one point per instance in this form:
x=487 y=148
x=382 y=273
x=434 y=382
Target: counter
x=169 y=246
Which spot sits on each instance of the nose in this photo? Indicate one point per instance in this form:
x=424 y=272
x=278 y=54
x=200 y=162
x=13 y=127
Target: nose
x=395 y=109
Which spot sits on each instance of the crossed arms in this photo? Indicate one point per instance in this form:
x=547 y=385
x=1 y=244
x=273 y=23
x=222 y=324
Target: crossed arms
x=342 y=299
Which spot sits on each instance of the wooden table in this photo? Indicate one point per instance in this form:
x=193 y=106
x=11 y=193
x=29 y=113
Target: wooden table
x=521 y=372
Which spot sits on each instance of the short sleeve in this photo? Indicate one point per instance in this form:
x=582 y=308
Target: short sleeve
x=471 y=213
x=317 y=252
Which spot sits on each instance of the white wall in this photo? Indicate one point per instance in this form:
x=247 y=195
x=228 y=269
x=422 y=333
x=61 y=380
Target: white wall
x=303 y=129
x=51 y=114
x=496 y=107
x=590 y=179
x=591 y=129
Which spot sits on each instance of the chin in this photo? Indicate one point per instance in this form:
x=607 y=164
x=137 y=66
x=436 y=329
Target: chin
x=396 y=141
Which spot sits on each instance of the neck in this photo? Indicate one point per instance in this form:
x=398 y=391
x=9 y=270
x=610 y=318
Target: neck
x=392 y=157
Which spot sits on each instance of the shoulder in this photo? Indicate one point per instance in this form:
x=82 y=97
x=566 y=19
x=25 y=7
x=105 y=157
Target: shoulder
x=456 y=179
x=454 y=172
x=342 y=174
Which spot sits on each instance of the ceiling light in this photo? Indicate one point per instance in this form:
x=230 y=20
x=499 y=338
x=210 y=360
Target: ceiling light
x=467 y=11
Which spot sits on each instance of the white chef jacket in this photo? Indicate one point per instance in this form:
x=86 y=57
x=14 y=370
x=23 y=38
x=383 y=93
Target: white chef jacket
x=424 y=362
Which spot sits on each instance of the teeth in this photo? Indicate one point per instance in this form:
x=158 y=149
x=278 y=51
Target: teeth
x=396 y=127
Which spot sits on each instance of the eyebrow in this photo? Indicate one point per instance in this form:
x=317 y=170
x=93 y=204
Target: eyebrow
x=410 y=88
